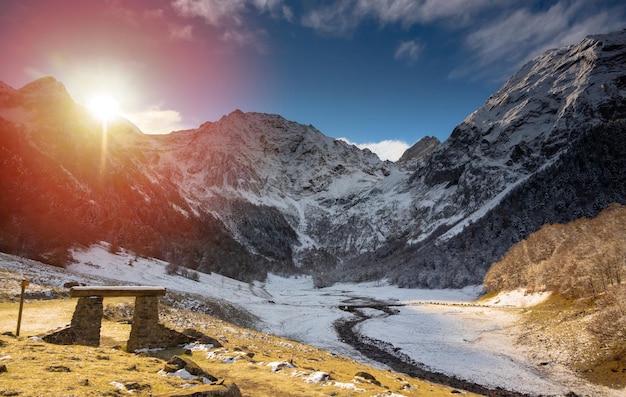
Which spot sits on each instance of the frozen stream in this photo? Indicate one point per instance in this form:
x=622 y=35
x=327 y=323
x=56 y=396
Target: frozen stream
x=437 y=329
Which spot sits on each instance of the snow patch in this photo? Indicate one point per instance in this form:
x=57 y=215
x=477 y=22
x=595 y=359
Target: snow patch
x=517 y=298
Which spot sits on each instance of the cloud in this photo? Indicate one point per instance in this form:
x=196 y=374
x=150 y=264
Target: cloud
x=214 y=12
x=287 y=13
x=230 y=17
x=408 y=50
x=157 y=121
x=513 y=39
x=496 y=37
x=181 y=32
x=246 y=38
x=337 y=19
x=344 y=16
x=386 y=150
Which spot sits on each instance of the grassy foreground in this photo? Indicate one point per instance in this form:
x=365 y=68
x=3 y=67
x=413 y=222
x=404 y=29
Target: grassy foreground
x=36 y=368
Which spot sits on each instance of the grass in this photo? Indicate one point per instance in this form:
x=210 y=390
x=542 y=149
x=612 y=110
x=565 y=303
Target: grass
x=485 y=297
x=557 y=330
x=37 y=368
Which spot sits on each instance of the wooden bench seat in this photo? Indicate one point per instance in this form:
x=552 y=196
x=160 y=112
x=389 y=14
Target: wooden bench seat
x=115 y=291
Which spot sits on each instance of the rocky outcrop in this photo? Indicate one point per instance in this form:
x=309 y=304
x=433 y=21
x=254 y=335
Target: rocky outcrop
x=419 y=152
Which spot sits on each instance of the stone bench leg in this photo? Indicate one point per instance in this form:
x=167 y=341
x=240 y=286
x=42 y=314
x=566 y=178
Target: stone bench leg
x=87 y=320
x=145 y=331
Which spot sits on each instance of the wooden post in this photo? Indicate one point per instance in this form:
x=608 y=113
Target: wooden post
x=19 y=315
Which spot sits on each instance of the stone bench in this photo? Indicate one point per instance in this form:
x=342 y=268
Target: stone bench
x=145 y=332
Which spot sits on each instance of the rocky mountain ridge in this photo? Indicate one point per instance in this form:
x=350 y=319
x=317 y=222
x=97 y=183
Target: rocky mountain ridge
x=253 y=193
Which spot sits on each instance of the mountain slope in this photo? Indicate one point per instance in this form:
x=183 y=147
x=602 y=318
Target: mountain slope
x=253 y=193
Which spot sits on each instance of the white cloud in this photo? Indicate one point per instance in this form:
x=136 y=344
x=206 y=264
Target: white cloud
x=408 y=50
x=157 y=121
x=230 y=16
x=342 y=17
x=337 y=19
x=386 y=150
x=214 y=12
x=507 y=43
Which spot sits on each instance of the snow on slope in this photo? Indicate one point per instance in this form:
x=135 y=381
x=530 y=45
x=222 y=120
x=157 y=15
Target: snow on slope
x=435 y=327
x=526 y=125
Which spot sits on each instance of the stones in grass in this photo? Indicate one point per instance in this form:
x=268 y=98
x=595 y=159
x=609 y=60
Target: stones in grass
x=58 y=368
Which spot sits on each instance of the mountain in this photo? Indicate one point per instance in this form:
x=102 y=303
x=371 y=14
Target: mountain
x=253 y=193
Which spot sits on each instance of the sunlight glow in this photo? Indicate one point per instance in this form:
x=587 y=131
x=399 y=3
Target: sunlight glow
x=104 y=107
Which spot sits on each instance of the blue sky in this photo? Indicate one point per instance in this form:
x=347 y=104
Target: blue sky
x=369 y=71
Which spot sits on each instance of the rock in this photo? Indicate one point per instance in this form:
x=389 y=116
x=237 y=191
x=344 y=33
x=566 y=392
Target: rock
x=245 y=351
x=207 y=391
x=58 y=368
x=136 y=386
x=367 y=377
x=61 y=336
x=3 y=368
x=279 y=365
x=201 y=338
x=317 y=377
x=177 y=363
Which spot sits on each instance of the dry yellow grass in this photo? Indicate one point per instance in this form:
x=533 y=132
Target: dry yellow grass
x=557 y=330
x=36 y=368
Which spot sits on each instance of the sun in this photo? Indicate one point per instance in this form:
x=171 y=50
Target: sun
x=104 y=107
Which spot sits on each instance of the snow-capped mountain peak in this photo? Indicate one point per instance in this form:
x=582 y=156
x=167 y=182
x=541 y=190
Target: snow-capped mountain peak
x=253 y=192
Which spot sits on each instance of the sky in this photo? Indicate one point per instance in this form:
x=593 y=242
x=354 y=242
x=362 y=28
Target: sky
x=381 y=74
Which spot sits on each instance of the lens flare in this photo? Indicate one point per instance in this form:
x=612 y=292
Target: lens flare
x=104 y=107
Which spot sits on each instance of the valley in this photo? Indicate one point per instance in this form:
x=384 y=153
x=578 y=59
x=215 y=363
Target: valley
x=441 y=332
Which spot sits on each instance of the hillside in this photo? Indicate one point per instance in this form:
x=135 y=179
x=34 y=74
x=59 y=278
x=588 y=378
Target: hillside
x=583 y=265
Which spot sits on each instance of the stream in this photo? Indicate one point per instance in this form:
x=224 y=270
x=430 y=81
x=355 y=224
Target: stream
x=386 y=353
